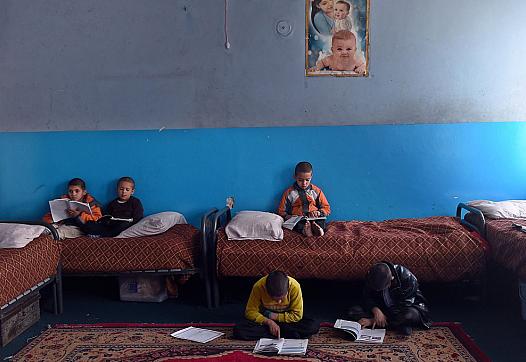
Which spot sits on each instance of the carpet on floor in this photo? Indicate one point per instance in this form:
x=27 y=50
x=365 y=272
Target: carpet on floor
x=152 y=342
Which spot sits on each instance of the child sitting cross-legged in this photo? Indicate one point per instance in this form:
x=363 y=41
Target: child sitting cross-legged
x=70 y=227
x=122 y=212
x=305 y=199
x=275 y=310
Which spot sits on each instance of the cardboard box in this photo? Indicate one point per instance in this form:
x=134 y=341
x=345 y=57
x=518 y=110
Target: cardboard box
x=20 y=318
x=148 y=288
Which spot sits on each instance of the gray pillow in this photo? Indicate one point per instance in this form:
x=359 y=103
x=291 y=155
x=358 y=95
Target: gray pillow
x=153 y=224
x=18 y=235
x=509 y=209
x=255 y=225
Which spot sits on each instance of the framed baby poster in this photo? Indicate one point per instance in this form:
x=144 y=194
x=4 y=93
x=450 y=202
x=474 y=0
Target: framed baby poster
x=337 y=38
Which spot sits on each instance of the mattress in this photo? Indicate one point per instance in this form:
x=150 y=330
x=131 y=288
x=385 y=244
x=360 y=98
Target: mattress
x=508 y=245
x=21 y=269
x=177 y=248
x=434 y=248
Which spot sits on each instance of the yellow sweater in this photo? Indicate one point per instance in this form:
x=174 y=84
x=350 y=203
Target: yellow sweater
x=290 y=309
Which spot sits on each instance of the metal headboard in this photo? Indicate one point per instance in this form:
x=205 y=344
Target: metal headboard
x=213 y=220
x=461 y=206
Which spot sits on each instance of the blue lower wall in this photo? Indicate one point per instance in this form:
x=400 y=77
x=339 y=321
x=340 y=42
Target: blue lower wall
x=367 y=172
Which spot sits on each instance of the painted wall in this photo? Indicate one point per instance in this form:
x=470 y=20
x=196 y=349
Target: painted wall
x=367 y=172
x=148 y=64
x=142 y=65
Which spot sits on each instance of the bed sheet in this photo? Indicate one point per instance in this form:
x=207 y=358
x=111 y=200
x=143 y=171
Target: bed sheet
x=434 y=248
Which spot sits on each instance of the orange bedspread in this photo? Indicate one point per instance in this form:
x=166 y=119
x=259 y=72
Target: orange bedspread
x=434 y=248
x=177 y=248
x=508 y=245
x=21 y=269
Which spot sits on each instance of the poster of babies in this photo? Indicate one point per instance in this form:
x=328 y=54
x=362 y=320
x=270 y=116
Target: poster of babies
x=337 y=38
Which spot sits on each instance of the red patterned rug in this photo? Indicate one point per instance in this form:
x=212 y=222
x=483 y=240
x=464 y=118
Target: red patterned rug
x=152 y=342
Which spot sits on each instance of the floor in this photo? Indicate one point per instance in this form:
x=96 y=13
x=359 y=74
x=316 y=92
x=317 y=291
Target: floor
x=495 y=324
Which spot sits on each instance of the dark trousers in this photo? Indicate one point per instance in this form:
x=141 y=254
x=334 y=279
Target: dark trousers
x=248 y=330
x=107 y=229
x=399 y=317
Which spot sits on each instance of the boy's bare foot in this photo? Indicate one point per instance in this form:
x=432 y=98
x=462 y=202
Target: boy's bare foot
x=307 y=230
x=317 y=229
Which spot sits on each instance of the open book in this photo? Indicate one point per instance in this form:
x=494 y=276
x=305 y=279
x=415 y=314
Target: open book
x=200 y=335
x=58 y=208
x=109 y=217
x=281 y=346
x=359 y=334
x=290 y=223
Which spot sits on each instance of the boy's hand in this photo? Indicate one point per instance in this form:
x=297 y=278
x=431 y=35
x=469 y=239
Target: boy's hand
x=273 y=327
x=366 y=322
x=314 y=213
x=380 y=320
x=73 y=213
x=273 y=316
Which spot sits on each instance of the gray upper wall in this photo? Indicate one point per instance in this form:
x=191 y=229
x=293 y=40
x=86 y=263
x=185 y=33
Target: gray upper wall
x=147 y=64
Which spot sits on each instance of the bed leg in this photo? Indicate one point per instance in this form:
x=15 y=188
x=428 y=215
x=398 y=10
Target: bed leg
x=59 y=306
x=215 y=286
x=208 y=292
x=55 y=298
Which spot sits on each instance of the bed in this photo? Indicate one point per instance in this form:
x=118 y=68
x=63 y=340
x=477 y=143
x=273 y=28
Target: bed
x=507 y=243
x=24 y=271
x=176 y=251
x=438 y=249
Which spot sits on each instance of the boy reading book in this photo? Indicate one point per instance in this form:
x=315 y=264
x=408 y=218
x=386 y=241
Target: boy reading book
x=73 y=210
x=123 y=212
x=305 y=199
x=392 y=299
x=274 y=310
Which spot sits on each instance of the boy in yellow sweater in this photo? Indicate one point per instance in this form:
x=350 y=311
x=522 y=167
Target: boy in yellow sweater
x=275 y=310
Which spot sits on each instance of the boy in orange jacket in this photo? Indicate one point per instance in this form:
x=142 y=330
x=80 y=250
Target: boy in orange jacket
x=77 y=192
x=306 y=199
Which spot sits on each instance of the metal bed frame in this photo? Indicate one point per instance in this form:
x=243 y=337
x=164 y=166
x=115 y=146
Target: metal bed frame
x=215 y=219
x=462 y=206
x=211 y=221
x=55 y=280
x=201 y=270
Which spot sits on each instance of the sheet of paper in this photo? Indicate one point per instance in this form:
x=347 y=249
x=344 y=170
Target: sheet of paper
x=371 y=336
x=80 y=206
x=200 y=335
x=58 y=209
x=294 y=346
x=267 y=345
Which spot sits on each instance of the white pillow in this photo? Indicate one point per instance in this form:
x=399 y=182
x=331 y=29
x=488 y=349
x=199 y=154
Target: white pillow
x=509 y=209
x=153 y=224
x=18 y=235
x=255 y=225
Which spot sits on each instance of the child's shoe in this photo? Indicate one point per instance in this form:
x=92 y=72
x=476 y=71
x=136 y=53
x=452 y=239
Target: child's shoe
x=317 y=229
x=405 y=330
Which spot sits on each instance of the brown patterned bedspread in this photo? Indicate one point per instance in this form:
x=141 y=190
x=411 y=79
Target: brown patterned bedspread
x=177 y=248
x=21 y=269
x=508 y=245
x=434 y=248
